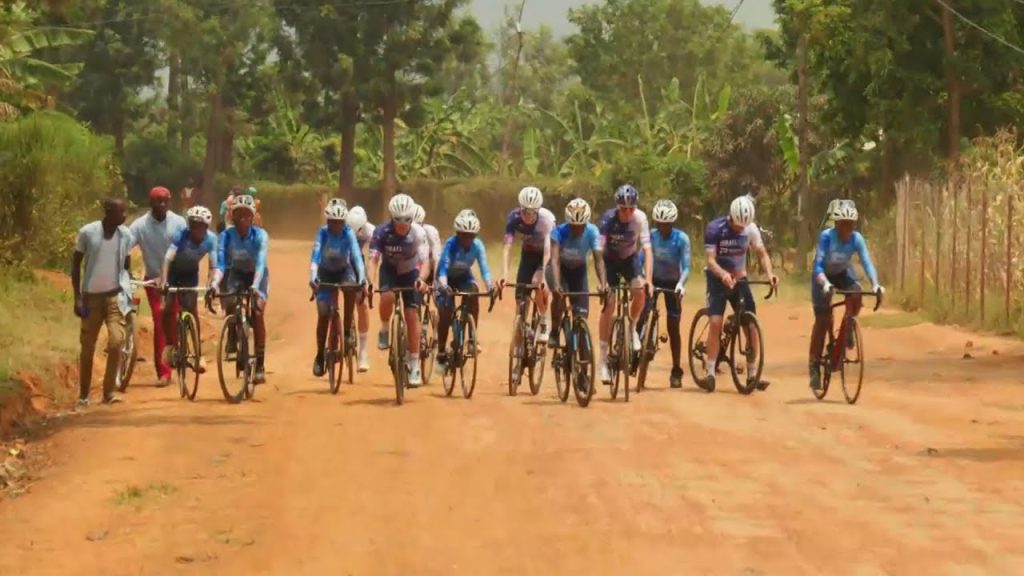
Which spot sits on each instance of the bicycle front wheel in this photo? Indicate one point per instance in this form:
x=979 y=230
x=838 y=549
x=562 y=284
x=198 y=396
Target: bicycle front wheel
x=583 y=365
x=852 y=369
x=515 y=355
x=129 y=354
x=467 y=360
x=561 y=361
x=189 y=354
x=428 y=345
x=648 y=346
x=332 y=357
x=536 y=368
x=749 y=344
x=232 y=361
x=696 y=347
x=616 y=355
x=398 y=354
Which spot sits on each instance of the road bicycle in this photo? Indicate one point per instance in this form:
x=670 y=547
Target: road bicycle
x=525 y=353
x=129 y=352
x=651 y=339
x=340 y=353
x=620 y=349
x=188 y=353
x=463 y=350
x=236 y=348
x=572 y=357
x=840 y=358
x=738 y=331
x=397 y=344
x=428 y=337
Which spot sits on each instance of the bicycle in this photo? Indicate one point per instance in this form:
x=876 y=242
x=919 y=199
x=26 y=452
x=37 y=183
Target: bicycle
x=129 y=353
x=620 y=349
x=650 y=340
x=836 y=358
x=737 y=331
x=462 y=353
x=335 y=358
x=524 y=351
x=242 y=355
x=428 y=337
x=573 y=359
x=397 y=345
x=188 y=352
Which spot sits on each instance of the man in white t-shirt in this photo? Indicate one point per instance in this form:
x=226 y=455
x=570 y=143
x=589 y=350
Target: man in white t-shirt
x=102 y=296
x=153 y=233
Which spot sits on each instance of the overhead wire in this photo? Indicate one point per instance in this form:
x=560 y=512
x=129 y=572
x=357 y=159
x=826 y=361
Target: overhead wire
x=982 y=29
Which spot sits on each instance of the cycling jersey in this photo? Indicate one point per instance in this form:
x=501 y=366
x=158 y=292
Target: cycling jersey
x=622 y=240
x=403 y=254
x=834 y=257
x=365 y=234
x=336 y=253
x=573 y=250
x=183 y=255
x=433 y=243
x=457 y=261
x=536 y=236
x=730 y=246
x=671 y=256
x=154 y=237
x=246 y=255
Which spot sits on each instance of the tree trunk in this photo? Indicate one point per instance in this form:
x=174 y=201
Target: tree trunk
x=803 y=237
x=389 y=112
x=349 y=117
x=952 y=86
x=119 y=134
x=173 y=99
x=185 y=115
x=225 y=160
x=214 y=133
x=511 y=92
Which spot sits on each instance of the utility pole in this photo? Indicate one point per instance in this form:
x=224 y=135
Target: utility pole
x=512 y=90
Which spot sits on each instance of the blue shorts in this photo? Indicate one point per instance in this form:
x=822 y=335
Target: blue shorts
x=327 y=294
x=446 y=301
x=823 y=304
x=573 y=280
x=630 y=270
x=390 y=278
x=673 y=308
x=182 y=280
x=718 y=295
x=238 y=281
x=529 y=265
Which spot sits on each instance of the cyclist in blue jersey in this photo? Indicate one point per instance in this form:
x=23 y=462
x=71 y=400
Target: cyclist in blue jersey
x=242 y=251
x=364 y=232
x=534 y=223
x=671 y=269
x=400 y=252
x=574 y=240
x=181 y=270
x=455 y=272
x=433 y=241
x=626 y=240
x=833 y=268
x=726 y=242
x=336 y=259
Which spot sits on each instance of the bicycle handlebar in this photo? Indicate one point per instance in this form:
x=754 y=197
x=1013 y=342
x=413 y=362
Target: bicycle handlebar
x=494 y=295
x=774 y=291
x=350 y=288
x=878 y=297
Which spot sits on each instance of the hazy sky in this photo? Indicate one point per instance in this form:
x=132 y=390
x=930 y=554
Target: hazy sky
x=754 y=13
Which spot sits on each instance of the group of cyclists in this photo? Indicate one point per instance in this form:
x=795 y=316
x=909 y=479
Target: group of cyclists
x=408 y=260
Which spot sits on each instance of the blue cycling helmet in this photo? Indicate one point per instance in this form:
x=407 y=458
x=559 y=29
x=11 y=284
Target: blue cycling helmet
x=626 y=195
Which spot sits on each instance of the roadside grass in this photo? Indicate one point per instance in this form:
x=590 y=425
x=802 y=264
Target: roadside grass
x=137 y=496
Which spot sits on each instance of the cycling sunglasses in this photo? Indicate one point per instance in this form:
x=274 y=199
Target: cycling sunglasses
x=403 y=220
x=528 y=212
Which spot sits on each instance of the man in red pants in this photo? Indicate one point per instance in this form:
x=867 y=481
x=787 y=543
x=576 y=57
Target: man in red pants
x=153 y=233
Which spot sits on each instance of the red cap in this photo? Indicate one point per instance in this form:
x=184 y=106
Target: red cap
x=159 y=193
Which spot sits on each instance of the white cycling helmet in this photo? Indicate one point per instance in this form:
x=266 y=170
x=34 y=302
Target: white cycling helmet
x=742 y=211
x=336 y=212
x=844 y=210
x=356 y=218
x=402 y=206
x=577 y=211
x=244 y=201
x=531 y=198
x=665 y=212
x=199 y=214
x=420 y=215
x=467 y=222
x=337 y=202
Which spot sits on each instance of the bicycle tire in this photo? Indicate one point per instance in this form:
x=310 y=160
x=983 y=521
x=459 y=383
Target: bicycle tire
x=849 y=391
x=246 y=334
x=332 y=357
x=351 y=353
x=648 y=347
x=468 y=354
x=191 y=346
x=428 y=345
x=627 y=357
x=696 y=347
x=535 y=371
x=515 y=356
x=748 y=325
x=398 y=355
x=825 y=364
x=561 y=362
x=584 y=364
x=615 y=351
x=225 y=363
x=455 y=352
x=129 y=354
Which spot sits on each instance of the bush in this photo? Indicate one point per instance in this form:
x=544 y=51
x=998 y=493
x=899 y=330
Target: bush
x=53 y=174
x=151 y=161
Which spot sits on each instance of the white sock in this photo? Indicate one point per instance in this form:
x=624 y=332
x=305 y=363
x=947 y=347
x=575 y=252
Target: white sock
x=412 y=358
x=363 y=337
x=604 y=351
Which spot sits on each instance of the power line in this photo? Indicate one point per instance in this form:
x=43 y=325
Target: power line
x=981 y=29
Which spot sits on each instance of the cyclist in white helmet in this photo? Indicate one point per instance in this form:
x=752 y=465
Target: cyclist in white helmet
x=433 y=241
x=726 y=242
x=671 y=248
x=573 y=240
x=399 y=251
x=364 y=232
x=534 y=224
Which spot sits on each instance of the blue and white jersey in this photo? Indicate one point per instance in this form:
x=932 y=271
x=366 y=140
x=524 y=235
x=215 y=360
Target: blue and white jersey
x=185 y=255
x=834 y=257
x=403 y=253
x=457 y=262
x=536 y=236
x=621 y=240
x=365 y=234
x=573 y=250
x=730 y=247
x=246 y=255
x=337 y=252
x=671 y=256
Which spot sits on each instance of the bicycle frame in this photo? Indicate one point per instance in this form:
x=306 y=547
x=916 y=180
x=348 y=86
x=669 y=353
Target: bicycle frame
x=396 y=343
x=835 y=359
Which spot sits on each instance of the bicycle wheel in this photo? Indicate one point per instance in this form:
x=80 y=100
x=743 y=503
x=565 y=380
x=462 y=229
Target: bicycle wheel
x=248 y=335
x=743 y=343
x=467 y=362
x=535 y=370
x=825 y=365
x=230 y=363
x=626 y=359
x=129 y=354
x=583 y=365
x=851 y=372
x=351 y=352
x=189 y=353
x=332 y=357
x=398 y=354
x=696 y=349
x=615 y=355
x=428 y=344
x=648 y=346
x=515 y=355
x=561 y=360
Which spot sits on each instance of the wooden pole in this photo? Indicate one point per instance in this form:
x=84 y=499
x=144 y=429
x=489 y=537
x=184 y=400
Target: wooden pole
x=1009 y=253
x=953 y=256
x=967 y=249
x=937 y=203
x=984 y=252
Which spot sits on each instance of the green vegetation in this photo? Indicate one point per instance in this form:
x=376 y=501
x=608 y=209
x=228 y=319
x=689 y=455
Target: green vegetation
x=137 y=496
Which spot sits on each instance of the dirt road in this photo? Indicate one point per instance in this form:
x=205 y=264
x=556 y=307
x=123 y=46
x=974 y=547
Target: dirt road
x=924 y=476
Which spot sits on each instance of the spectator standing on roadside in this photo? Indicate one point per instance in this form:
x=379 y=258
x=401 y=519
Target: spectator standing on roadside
x=225 y=208
x=153 y=233
x=104 y=296
x=189 y=195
